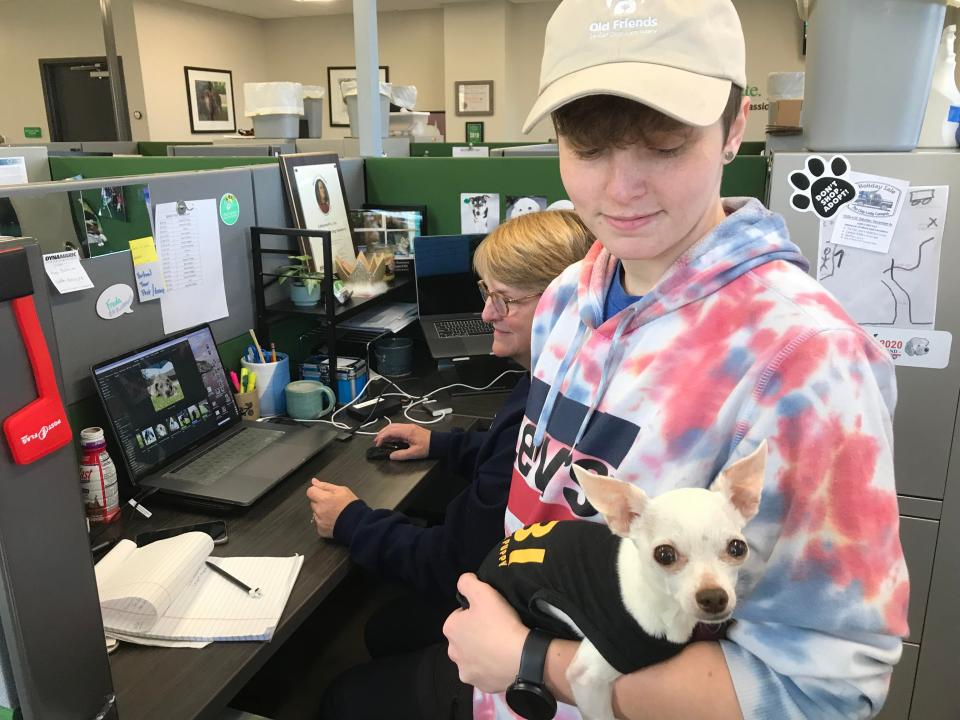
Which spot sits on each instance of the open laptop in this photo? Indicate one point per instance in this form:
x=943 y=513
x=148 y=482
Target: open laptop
x=448 y=299
x=172 y=410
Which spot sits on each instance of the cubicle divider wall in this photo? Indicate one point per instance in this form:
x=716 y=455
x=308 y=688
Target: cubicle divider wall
x=49 y=608
x=438 y=182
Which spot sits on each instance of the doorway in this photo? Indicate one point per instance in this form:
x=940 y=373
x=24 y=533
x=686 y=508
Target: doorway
x=79 y=103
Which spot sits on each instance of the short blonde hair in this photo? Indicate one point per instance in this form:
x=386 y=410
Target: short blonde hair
x=530 y=250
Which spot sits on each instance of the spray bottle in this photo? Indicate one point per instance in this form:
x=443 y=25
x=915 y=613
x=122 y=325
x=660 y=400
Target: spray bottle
x=942 y=118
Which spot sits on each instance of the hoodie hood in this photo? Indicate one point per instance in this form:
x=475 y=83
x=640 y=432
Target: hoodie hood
x=749 y=237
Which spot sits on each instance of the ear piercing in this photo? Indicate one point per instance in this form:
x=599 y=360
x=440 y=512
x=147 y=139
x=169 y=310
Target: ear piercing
x=729 y=155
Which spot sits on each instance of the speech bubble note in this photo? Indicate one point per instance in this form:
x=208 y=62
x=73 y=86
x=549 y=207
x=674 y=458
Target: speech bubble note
x=115 y=301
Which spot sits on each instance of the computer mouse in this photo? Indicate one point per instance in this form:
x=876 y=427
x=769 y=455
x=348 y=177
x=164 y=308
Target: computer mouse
x=382 y=451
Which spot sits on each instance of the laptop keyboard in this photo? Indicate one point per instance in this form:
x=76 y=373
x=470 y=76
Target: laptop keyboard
x=462 y=328
x=227 y=456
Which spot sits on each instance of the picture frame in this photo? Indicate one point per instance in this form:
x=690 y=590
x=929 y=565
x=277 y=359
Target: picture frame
x=210 y=102
x=473 y=131
x=317 y=198
x=396 y=226
x=337 y=106
x=473 y=97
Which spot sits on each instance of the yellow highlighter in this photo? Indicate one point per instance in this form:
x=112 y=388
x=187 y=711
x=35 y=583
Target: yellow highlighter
x=244 y=379
x=252 y=379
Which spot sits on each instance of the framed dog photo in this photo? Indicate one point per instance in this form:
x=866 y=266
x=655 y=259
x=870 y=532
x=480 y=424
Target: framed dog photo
x=338 y=107
x=396 y=226
x=317 y=198
x=210 y=100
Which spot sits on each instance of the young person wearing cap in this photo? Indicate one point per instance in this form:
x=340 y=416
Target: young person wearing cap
x=690 y=333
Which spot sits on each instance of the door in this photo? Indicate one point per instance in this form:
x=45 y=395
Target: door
x=78 y=99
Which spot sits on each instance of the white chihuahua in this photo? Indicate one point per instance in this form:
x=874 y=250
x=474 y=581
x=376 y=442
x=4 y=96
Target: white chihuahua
x=633 y=592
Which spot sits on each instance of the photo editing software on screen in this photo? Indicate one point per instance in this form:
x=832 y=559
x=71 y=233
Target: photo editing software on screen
x=166 y=398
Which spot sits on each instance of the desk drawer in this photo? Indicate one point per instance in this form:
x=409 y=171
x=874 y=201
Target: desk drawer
x=919 y=540
x=897 y=706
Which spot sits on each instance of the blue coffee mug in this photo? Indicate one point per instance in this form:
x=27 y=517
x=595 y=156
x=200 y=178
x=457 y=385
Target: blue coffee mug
x=309 y=400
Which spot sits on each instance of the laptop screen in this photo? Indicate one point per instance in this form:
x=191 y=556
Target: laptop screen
x=446 y=283
x=166 y=398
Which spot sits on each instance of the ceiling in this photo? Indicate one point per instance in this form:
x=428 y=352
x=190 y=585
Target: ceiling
x=271 y=9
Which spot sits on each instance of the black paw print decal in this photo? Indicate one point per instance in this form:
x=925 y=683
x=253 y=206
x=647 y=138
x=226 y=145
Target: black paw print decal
x=817 y=192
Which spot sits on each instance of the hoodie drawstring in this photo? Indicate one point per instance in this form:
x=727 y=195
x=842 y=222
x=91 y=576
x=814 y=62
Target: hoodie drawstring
x=548 y=404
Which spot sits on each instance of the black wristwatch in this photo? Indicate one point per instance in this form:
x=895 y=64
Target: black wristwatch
x=528 y=696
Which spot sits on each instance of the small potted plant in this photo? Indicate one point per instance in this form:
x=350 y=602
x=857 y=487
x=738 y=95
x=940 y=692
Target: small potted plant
x=304 y=282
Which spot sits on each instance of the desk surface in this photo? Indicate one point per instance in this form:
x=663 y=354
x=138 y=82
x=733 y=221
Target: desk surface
x=155 y=683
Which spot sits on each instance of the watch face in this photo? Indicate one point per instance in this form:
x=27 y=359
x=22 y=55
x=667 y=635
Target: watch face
x=531 y=701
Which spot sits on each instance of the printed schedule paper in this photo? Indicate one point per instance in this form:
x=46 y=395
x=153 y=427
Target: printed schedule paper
x=188 y=242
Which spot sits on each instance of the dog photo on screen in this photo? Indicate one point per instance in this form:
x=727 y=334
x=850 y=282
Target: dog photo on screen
x=162 y=385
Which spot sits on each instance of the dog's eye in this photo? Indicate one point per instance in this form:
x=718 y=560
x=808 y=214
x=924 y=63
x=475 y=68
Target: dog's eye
x=736 y=548
x=665 y=554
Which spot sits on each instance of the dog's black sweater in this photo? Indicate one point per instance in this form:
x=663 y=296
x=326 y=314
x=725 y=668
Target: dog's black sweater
x=572 y=565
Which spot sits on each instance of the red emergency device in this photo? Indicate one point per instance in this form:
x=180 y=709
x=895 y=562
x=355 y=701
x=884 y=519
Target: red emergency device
x=41 y=427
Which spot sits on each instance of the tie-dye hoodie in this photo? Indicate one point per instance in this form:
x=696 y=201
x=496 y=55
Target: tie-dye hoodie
x=735 y=344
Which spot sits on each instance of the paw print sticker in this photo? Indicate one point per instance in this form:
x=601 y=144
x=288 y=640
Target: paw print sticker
x=821 y=193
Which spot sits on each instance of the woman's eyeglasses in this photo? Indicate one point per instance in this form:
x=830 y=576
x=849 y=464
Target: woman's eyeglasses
x=501 y=303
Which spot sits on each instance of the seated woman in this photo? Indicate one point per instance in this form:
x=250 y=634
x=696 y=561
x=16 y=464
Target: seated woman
x=515 y=262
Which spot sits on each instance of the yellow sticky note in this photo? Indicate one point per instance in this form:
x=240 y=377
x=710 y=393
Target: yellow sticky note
x=143 y=250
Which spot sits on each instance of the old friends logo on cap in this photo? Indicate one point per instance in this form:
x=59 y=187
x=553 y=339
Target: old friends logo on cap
x=620 y=9
x=679 y=57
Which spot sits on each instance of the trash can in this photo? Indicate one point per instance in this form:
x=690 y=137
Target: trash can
x=275 y=107
x=868 y=72
x=313 y=109
x=348 y=88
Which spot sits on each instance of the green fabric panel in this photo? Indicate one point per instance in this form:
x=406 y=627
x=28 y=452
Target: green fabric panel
x=438 y=182
x=119 y=230
x=446 y=149
x=154 y=148
x=62 y=168
x=752 y=147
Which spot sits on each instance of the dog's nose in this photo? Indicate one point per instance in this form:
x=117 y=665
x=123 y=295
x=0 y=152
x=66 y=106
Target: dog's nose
x=712 y=600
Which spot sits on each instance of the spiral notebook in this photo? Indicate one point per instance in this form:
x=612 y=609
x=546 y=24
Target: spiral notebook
x=165 y=592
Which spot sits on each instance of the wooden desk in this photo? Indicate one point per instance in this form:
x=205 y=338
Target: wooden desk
x=167 y=683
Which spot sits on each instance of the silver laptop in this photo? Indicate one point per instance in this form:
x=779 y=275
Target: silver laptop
x=448 y=299
x=171 y=408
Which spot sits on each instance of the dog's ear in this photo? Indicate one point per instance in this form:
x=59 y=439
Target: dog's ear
x=742 y=482
x=620 y=503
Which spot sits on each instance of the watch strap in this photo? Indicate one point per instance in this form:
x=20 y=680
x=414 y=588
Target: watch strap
x=533 y=658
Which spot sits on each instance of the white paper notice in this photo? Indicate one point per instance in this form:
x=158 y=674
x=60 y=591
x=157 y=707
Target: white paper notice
x=870 y=220
x=13 y=171
x=896 y=289
x=188 y=242
x=65 y=272
x=464 y=151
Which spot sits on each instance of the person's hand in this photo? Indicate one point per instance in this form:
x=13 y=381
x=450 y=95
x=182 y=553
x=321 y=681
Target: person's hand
x=486 y=639
x=418 y=438
x=327 y=502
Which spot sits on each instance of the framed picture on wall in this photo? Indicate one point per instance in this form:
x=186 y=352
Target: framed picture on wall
x=210 y=100
x=474 y=131
x=474 y=97
x=338 y=108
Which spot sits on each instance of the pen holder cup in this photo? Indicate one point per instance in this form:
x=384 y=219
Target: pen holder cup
x=249 y=404
x=309 y=400
x=272 y=378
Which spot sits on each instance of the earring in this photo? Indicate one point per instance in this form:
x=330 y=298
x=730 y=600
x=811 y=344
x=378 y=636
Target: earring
x=729 y=155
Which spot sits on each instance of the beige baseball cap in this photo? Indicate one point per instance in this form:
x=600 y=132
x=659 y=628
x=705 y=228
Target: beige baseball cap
x=677 y=56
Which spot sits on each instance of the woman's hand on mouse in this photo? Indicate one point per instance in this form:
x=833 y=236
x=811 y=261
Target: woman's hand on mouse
x=418 y=438
x=327 y=501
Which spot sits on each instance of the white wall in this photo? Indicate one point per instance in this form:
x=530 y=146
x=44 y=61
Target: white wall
x=475 y=48
x=31 y=30
x=173 y=35
x=410 y=45
x=526 y=24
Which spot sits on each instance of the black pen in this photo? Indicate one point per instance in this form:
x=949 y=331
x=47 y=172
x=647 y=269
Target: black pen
x=252 y=592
